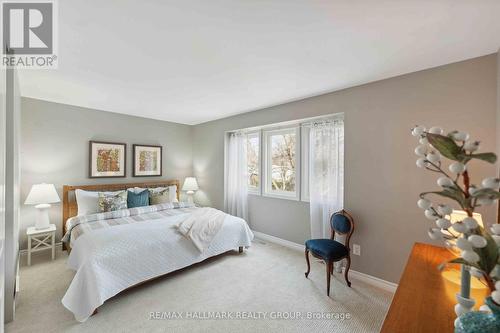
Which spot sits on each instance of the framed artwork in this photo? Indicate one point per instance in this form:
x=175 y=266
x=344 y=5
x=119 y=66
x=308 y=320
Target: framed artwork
x=147 y=161
x=107 y=159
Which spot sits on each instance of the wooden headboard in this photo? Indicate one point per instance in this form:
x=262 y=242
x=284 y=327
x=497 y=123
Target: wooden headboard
x=70 y=208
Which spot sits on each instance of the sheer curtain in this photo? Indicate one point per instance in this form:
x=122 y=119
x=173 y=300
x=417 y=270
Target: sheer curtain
x=236 y=182
x=326 y=174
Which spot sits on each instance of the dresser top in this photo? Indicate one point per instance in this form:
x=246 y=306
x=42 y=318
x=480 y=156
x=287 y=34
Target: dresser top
x=425 y=300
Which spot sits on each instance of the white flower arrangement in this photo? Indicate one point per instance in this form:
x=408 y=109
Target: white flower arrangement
x=479 y=248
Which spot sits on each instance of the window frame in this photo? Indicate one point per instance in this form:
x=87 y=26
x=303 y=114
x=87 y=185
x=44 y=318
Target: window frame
x=266 y=187
x=257 y=190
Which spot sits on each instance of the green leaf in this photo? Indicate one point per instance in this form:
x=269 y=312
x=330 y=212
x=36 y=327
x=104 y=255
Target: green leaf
x=488 y=157
x=459 y=261
x=451 y=193
x=489 y=254
x=486 y=193
x=446 y=146
x=462 y=261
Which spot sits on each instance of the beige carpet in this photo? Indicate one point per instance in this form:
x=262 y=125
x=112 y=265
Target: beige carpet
x=267 y=279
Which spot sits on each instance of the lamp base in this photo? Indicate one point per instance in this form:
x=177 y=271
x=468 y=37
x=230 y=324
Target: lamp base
x=190 y=196
x=42 y=216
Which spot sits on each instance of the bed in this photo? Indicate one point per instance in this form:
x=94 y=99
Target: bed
x=114 y=251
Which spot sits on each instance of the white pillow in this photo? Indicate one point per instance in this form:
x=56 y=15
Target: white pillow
x=136 y=190
x=88 y=201
x=173 y=193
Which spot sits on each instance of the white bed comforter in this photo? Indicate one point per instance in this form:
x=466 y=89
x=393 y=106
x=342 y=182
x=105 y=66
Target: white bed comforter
x=111 y=260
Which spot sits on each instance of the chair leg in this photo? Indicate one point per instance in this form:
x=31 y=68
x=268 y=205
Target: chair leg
x=347 y=271
x=329 y=265
x=308 y=264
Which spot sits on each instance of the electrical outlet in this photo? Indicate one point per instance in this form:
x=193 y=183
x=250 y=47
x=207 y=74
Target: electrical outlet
x=356 y=249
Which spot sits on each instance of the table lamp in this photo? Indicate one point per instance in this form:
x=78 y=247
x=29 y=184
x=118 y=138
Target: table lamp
x=454 y=275
x=458 y=216
x=190 y=185
x=42 y=195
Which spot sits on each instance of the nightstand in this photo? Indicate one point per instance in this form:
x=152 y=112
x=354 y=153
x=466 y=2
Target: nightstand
x=43 y=239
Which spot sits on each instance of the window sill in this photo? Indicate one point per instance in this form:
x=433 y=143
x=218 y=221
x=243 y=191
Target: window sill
x=278 y=196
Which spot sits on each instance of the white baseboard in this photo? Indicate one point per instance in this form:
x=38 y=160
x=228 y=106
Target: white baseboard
x=279 y=241
x=374 y=281
x=25 y=251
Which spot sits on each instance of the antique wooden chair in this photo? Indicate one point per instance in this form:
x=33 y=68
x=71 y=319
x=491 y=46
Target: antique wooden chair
x=330 y=250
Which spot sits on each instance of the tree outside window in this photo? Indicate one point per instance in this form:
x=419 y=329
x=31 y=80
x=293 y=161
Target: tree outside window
x=283 y=162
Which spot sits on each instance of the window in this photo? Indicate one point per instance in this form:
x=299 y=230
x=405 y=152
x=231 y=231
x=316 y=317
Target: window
x=278 y=159
x=253 y=160
x=281 y=162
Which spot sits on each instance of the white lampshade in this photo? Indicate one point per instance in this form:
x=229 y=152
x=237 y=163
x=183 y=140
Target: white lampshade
x=460 y=215
x=42 y=194
x=190 y=184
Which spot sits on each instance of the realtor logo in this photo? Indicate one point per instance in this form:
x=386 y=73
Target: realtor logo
x=28 y=28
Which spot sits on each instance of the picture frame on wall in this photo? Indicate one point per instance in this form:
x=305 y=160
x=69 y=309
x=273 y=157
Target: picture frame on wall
x=147 y=160
x=107 y=159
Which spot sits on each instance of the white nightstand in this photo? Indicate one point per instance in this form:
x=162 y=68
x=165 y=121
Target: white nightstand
x=43 y=239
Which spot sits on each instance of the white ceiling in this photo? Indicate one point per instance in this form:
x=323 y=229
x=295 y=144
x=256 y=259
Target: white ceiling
x=199 y=60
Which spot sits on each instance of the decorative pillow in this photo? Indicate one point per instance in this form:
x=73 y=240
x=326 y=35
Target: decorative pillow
x=109 y=202
x=135 y=199
x=159 y=197
x=136 y=190
x=172 y=190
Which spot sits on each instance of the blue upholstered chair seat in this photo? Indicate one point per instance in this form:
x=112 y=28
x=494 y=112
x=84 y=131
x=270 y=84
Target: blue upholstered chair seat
x=327 y=249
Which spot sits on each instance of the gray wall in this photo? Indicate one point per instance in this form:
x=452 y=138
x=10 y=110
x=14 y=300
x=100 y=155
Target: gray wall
x=381 y=180
x=55 y=140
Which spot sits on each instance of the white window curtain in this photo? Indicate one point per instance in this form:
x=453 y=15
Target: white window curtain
x=326 y=174
x=236 y=182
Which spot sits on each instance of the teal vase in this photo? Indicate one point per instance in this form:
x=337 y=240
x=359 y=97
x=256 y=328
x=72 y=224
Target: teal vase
x=479 y=321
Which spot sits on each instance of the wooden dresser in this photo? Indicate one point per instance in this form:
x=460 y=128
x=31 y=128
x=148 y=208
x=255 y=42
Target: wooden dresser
x=425 y=300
